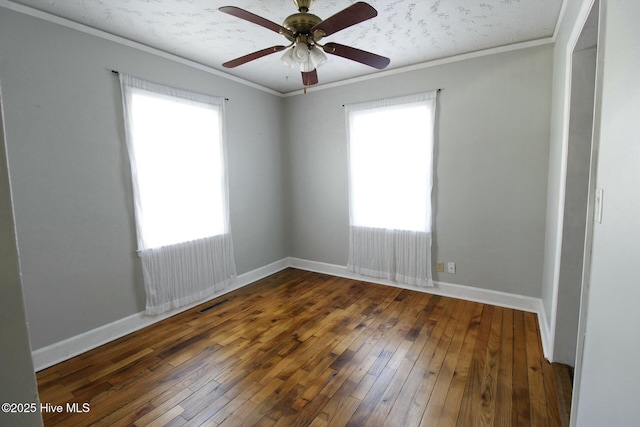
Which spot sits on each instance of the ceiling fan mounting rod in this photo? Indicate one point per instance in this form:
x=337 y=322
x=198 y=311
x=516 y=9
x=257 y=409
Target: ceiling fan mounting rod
x=303 y=5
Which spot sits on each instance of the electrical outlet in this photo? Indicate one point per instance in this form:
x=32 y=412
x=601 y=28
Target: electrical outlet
x=451 y=267
x=440 y=267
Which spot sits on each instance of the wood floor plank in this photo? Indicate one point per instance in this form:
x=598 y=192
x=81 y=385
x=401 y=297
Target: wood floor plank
x=306 y=349
x=420 y=333
x=486 y=413
x=504 y=404
x=353 y=389
x=472 y=394
x=555 y=415
x=379 y=415
x=428 y=364
x=536 y=381
x=345 y=412
x=521 y=408
x=372 y=398
x=164 y=405
x=455 y=395
x=562 y=376
x=461 y=319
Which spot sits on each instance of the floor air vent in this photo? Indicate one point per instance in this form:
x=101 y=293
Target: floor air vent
x=212 y=306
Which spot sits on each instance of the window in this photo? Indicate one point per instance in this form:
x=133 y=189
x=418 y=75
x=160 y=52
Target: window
x=179 y=159
x=390 y=180
x=175 y=141
x=390 y=154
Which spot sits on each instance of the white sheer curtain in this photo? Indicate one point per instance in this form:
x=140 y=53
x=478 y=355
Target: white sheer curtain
x=176 y=145
x=390 y=181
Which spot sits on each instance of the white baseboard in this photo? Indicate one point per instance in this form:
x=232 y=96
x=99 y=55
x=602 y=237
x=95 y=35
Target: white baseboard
x=486 y=296
x=66 y=349
x=55 y=353
x=545 y=332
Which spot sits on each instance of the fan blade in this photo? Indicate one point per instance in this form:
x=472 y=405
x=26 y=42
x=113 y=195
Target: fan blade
x=354 y=14
x=250 y=57
x=361 y=56
x=251 y=17
x=310 y=78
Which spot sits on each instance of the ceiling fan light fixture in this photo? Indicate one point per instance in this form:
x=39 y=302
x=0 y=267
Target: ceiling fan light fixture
x=300 y=52
x=317 y=57
x=288 y=59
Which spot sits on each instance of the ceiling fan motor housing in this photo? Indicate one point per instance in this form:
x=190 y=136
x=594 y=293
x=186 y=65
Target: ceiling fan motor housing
x=301 y=24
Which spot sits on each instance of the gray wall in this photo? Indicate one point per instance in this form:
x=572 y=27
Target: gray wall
x=491 y=167
x=607 y=394
x=17 y=380
x=70 y=173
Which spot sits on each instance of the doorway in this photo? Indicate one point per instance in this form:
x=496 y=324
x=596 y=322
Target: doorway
x=577 y=190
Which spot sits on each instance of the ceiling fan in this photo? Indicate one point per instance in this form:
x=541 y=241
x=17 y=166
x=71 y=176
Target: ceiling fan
x=304 y=30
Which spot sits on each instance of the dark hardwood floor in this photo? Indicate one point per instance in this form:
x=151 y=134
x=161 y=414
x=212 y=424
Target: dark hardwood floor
x=307 y=349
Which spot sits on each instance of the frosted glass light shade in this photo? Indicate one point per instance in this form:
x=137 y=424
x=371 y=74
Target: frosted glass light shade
x=317 y=57
x=288 y=60
x=300 y=52
x=304 y=58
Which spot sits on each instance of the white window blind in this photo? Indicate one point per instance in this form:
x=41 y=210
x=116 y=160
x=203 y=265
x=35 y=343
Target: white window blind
x=176 y=146
x=390 y=180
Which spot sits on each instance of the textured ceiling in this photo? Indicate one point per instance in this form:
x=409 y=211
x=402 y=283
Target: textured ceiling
x=408 y=32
